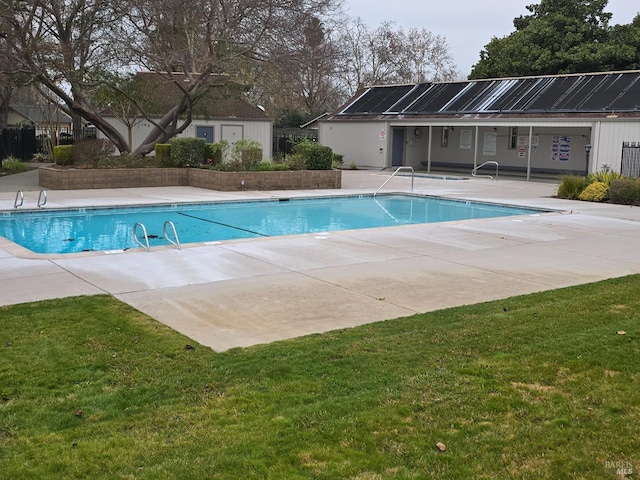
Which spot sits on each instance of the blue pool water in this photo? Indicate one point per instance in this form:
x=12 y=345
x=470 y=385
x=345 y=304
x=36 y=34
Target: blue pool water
x=106 y=229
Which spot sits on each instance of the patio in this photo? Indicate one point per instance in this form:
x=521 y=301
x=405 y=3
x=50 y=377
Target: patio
x=246 y=292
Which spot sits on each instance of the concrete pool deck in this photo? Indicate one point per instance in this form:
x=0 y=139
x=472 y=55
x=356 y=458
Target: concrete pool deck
x=246 y=292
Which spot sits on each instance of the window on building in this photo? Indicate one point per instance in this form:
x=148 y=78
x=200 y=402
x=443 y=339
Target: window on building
x=513 y=138
x=444 y=139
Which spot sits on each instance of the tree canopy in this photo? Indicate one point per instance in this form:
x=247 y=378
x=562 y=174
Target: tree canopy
x=286 y=55
x=562 y=36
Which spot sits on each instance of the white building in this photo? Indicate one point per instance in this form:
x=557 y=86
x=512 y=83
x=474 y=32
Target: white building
x=222 y=115
x=552 y=124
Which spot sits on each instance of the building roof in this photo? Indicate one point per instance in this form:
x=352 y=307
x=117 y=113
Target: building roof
x=558 y=95
x=222 y=100
x=39 y=114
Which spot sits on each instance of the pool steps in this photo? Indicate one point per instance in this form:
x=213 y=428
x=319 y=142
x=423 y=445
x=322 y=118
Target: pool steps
x=145 y=245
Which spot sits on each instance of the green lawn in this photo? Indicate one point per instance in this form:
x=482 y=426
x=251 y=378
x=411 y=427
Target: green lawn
x=537 y=386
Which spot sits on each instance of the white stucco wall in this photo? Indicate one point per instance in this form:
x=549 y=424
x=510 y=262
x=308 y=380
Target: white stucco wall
x=608 y=139
x=560 y=145
x=363 y=143
x=259 y=130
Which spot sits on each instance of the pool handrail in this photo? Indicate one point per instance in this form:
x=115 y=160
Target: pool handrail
x=41 y=195
x=19 y=196
x=144 y=232
x=490 y=162
x=393 y=175
x=175 y=234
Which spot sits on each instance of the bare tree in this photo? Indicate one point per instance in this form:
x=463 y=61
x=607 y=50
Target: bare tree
x=388 y=55
x=71 y=47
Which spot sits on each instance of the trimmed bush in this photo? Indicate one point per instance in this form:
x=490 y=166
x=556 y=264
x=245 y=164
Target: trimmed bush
x=595 y=192
x=215 y=152
x=317 y=157
x=187 y=152
x=572 y=186
x=63 y=154
x=625 y=191
x=163 y=154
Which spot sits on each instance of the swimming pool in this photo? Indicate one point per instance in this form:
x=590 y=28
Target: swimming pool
x=111 y=229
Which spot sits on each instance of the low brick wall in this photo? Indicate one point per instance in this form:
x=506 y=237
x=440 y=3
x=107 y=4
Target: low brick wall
x=80 y=179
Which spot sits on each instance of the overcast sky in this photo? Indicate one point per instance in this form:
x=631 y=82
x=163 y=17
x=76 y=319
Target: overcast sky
x=468 y=25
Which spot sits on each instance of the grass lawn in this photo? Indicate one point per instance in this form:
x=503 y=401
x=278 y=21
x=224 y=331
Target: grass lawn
x=537 y=386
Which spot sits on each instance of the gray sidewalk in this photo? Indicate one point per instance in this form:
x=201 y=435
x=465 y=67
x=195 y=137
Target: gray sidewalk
x=240 y=293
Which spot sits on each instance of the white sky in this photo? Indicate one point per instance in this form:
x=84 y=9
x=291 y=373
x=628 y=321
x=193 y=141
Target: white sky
x=468 y=25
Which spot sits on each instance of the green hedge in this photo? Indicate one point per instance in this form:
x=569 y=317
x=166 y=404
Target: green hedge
x=188 y=152
x=316 y=156
x=625 y=191
x=63 y=154
x=163 y=154
x=214 y=152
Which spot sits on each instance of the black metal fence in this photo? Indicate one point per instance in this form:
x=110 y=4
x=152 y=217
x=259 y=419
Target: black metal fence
x=18 y=142
x=631 y=159
x=285 y=138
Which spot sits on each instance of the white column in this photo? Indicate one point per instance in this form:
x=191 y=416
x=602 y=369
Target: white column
x=529 y=153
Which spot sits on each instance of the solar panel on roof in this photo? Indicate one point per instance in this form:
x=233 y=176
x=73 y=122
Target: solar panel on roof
x=378 y=99
x=438 y=96
x=419 y=90
x=607 y=91
x=548 y=98
x=629 y=100
x=511 y=98
x=575 y=93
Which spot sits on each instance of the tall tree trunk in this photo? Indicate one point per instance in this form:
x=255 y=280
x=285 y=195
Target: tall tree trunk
x=5 y=99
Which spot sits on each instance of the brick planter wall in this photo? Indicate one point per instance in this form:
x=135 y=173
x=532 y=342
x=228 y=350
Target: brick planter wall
x=69 y=179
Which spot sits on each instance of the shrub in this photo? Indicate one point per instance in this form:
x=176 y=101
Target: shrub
x=572 y=186
x=625 y=191
x=353 y=166
x=163 y=155
x=296 y=162
x=268 y=166
x=317 y=157
x=337 y=161
x=604 y=177
x=125 y=161
x=247 y=152
x=41 y=157
x=595 y=192
x=13 y=165
x=187 y=152
x=63 y=154
x=215 y=152
x=89 y=150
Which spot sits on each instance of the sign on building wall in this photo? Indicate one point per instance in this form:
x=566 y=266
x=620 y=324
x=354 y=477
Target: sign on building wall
x=560 y=148
x=489 y=144
x=523 y=144
x=383 y=135
x=466 y=139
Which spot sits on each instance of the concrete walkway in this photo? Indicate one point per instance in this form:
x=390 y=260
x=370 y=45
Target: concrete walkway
x=246 y=292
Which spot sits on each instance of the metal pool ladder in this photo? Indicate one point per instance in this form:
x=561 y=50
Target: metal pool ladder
x=175 y=234
x=145 y=245
x=19 y=198
x=393 y=175
x=42 y=198
x=490 y=162
x=144 y=232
